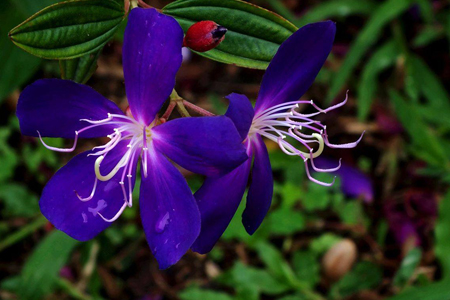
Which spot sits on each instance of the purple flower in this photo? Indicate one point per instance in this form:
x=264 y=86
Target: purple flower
x=95 y=187
x=413 y=217
x=275 y=117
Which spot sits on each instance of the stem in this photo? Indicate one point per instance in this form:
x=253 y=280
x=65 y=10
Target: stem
x=71 y=290
x=169 y=111
x=22 y=233
x=142 y=4
x=179 y=102
x=198 y=109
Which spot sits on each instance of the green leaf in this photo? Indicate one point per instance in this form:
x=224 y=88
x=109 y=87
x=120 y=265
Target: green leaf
x=79 y=69
x=334 y=9
x=295 y=297
x=195 y=293
x=307 y=267
x=428 y=35
x=321 y=244
x=18 y=201
x=385 y=13
x=383 y=58
x=8 y=157
x=364 y=276
x=442 y=233
x=69 y=29
x=275 y=263
x=16 y=66
x=286 y=221
x=429 y=84
x=422 y=138
x=41 y=270
x=242 y=276
x=434 y=291
x=254 y=34
x=407 y=268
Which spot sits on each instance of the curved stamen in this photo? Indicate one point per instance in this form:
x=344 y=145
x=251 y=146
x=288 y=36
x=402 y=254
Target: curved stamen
x=342 y=146
x=315 y=180
x=91 y=195
x=109 y=118
x=111 y=174
x=320 y=170
x=118 y=214
x=60 y=149
x=340 y=104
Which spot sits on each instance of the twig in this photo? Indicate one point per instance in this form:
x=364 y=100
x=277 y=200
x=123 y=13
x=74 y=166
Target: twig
x=22 y=233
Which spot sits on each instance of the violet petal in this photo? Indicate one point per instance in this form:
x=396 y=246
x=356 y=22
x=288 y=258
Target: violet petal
x=259 y=197
x=54 y=107
x=62 y=207
x=296 y=64
x=151 y=58
x=206 y=145
x=169 y=213
x=218 y=199
x=241 y=113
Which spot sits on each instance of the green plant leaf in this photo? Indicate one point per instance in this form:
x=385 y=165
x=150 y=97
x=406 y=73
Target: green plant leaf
x=79 y=69
x=254 y=34
x=307 y=267
x=385 y=13
x=364 y=276
x=16 y=66
x=18 y=201
x=242 y=276
x=407 y=268
x=434 y=291
x=275 y=263
x=442 y=234
x=422 y=138
x=195 y=293
x=69 y=29
x=383 y=58
x=286 y=221
x=334 y=9
x=41 y=270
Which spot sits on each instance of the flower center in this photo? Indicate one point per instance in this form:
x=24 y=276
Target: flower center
x=126 y=128
x=284 y=125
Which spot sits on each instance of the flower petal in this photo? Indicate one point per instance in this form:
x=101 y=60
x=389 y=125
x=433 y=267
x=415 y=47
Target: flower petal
x=260 y=193
x=296 y=64
x=206 y=145
x=151 y=58
x=54 y=107
x=218 y=199
x=241 y=113
x=62 y=207
x=169 y=213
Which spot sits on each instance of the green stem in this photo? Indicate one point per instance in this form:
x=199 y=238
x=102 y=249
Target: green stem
x=180 y=106
x=71 y=290
x=22 y=233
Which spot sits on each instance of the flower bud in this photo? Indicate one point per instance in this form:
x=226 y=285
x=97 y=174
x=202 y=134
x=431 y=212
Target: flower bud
x=204 y=36
x=339 y=259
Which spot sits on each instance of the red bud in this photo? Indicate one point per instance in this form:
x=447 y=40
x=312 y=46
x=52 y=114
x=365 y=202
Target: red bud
x=204 y=36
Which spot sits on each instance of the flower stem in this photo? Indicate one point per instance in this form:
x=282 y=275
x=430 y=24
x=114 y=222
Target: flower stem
x=22 y=233
x=142 y=4
x=198 y=109
x=174 y=97
x=168 y=112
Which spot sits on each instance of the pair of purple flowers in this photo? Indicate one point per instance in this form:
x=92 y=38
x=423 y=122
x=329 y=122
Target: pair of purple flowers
x=95 y=187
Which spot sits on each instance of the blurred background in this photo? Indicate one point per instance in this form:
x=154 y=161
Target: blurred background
x=381 y=232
